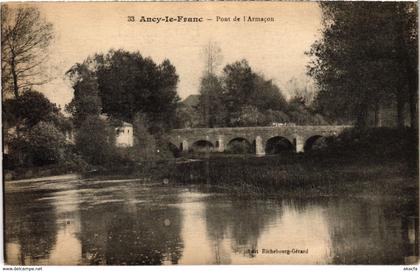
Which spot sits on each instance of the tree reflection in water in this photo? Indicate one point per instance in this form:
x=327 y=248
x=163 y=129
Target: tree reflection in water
x=32 y=226
x=372 y=233
x=114 y=236
x=241 y=221
x=124 y=222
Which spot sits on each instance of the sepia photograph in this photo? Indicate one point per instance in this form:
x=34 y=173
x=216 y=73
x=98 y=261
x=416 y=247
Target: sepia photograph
x=210 y=133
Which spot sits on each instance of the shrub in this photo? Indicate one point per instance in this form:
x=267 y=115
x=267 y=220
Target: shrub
x=95 y=141
x=44 y=144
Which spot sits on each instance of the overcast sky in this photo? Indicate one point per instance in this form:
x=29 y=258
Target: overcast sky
x=276 y=49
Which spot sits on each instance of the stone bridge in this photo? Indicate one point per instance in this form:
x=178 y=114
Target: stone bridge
x=219 y=138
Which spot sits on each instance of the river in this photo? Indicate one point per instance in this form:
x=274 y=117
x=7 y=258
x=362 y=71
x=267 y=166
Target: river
x=81 y=221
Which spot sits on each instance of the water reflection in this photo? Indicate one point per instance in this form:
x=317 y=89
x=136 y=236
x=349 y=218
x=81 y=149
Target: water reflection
x=240 y=231
x=112 y=235
x=372 y=233
x=123 y=222
x=30 y=228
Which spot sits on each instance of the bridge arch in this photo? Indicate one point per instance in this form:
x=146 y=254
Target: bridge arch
x=174 y=149
x=239 y=145
x=315 y=142
x=202 y=145
x=278 y=144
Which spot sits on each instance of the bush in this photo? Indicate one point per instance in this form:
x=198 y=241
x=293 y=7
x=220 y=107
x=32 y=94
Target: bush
x=148 y=146
x=44 y=144
x=95 y=141
x=379 y=142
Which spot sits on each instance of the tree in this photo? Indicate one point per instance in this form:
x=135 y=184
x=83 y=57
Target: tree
x=39 y=127
x=29 y=109
x=126 y=84
x=362 y=60
x=95 y=140
x=301 y=114
x=230 y=99
x=407 y=54
x=164 y=100
x=242 y=87
x=267 y=95
x=186 y=117
x=211 y=105
x=238 y=86
x=43 y=144
x=213 y=57
x=25 y=37
x=86 y=100
x=250 y=116
x=301 y=90
x=275 y=116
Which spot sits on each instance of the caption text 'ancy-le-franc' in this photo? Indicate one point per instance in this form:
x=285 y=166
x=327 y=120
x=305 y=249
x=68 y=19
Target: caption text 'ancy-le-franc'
x=184 y=19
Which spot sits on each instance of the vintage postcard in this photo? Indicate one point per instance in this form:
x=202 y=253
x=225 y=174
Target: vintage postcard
x=206 y=133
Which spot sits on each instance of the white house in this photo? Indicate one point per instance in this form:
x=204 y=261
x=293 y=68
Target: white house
x=124 y=135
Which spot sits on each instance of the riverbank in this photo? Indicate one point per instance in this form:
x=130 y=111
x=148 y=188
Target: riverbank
x=366 y=164
x=300 y=176
x=375 y=163
x=44 y=172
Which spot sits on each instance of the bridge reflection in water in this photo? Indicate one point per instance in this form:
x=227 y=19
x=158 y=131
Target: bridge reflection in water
x=217 y=139
x=124 y=222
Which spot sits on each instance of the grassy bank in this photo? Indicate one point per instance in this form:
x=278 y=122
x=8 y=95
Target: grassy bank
x=298 y=175
x=38 y=172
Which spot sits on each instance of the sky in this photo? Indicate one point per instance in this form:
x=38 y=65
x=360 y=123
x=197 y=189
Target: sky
x=275 y=49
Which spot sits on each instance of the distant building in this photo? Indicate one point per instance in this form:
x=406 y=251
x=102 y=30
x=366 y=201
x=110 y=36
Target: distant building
x=124 y=135
x=192 y=100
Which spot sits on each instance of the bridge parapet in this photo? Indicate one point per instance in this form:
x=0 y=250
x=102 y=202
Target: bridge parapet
x=220 y=137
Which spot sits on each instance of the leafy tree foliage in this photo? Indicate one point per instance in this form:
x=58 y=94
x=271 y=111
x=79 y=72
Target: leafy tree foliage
x=43 y=144
x=272 y=116
x=28 y=109
x=240 y=97
x=212 y=54
x=25 y=37
x=126 y=83
x=86 y=100
x=95 y=140
x=34 y=130
x=303 y=90
x=187 y=116
x=245 y=91
x=367 y=56
x=144 y=143
x=301 y=114
x=267 y=95
x=249 y=116
x=238 y=80
x=211 y=107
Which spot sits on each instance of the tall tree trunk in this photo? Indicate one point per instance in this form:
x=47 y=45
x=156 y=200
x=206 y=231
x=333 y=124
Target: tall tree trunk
x=14 y=75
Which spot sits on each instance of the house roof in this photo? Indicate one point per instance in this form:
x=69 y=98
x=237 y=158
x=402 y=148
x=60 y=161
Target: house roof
x=191 y=100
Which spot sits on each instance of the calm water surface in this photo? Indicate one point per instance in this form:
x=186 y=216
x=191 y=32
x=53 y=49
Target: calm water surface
x=125 y=222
